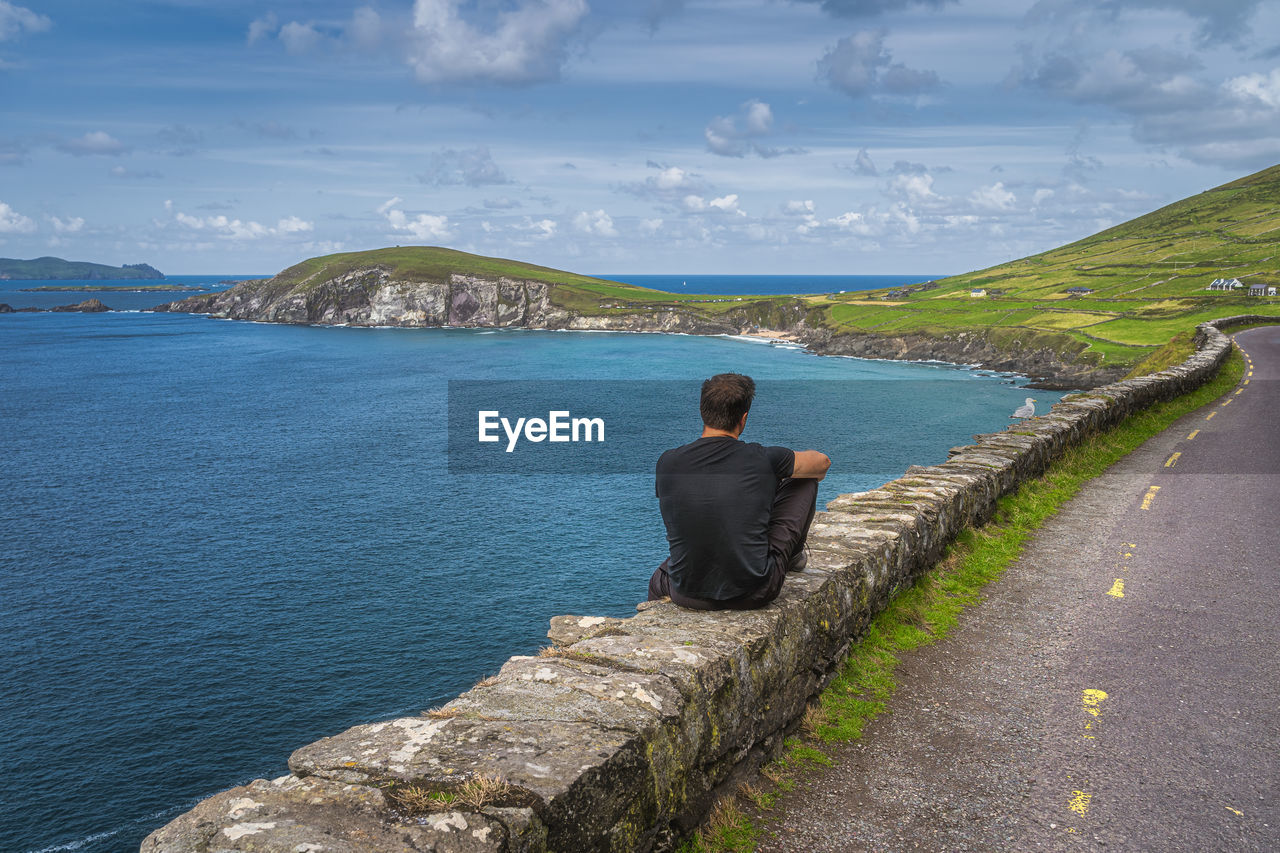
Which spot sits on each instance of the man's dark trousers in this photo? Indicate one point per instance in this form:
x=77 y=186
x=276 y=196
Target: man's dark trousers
x=793 y=507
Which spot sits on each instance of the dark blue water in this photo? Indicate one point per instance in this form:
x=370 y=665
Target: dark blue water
x=757 y=284
x=220 y=541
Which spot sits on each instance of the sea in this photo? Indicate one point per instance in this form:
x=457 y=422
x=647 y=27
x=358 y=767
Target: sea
x=221 y=540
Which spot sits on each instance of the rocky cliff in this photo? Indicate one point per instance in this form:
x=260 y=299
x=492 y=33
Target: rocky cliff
x=374 y=296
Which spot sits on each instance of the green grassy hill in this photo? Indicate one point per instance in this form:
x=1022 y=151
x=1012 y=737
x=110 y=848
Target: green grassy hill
x=581 y=293
x=1148 y=278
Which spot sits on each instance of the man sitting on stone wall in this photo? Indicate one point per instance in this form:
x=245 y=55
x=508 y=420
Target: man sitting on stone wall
x=737 y=513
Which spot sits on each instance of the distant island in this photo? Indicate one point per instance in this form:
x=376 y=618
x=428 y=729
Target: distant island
x=56 y=269
x=119 y=288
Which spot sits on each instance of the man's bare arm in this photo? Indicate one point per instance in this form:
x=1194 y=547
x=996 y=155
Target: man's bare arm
x=810 y=465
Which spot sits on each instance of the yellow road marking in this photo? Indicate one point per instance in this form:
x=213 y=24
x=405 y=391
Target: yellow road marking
x=1117 y=588
x=1194 y=433
x=1080 y=802
x=1172 y=460
x=1227 y=403
x=1149 y=497
x=1234 y=811
x=1239 y=391
x=1247 y=381
x=1250 y=373
x=1210 y=416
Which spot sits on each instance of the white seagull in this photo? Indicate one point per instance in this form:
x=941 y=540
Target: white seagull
x=1027 y=411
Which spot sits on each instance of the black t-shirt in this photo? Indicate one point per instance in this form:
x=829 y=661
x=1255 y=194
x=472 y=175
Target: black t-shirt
x=716 y=495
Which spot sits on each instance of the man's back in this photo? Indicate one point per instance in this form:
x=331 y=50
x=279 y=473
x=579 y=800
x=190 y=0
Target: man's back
x=716 y=495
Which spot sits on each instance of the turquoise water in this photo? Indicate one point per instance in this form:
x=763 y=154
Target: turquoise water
x=220 y=541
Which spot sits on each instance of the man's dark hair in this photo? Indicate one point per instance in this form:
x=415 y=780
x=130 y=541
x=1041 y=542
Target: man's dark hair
x=726 y=397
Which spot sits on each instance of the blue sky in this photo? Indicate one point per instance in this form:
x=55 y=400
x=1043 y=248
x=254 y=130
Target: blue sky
x=651 y=136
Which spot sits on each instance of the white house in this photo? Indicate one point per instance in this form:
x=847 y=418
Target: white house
x=1225 y=284
x=977 y=292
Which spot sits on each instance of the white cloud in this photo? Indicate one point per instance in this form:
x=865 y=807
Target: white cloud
x=293 y=225
x=472 y=167
x=1263 y=88
x=671 y=185
x=1219 y=21
x=651 y=226
x=915 y=188
x=262 y=28
x=736 y=135
x=672 y=178
x=424 y=226
x=323 y=247
x=798 y=208
x=897 y=220
x=1233 y=123
x=541 y=229
x=70 y=225
x=363 y=32
x=859 y=65
x=852 y=221
x=525 y=44
x=13 y=222
x=300 y=38
x=595 y=222
x=724 y=204
x=95 y=142
x=15 y=20
x=994 y=197
x=727 y=204
x=238 y=229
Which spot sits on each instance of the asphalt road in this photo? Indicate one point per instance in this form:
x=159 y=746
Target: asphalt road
x=1120 y=686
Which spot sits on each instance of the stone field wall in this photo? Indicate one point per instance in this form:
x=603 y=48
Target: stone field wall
x=621 y=735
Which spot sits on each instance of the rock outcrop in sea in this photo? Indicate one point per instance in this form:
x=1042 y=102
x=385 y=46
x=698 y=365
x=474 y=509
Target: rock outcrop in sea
x=89 y=306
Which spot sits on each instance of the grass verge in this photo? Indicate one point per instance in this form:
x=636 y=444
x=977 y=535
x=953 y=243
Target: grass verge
x=928 y=611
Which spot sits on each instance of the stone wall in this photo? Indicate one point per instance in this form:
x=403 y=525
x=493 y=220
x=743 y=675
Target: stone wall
x=621 y=735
